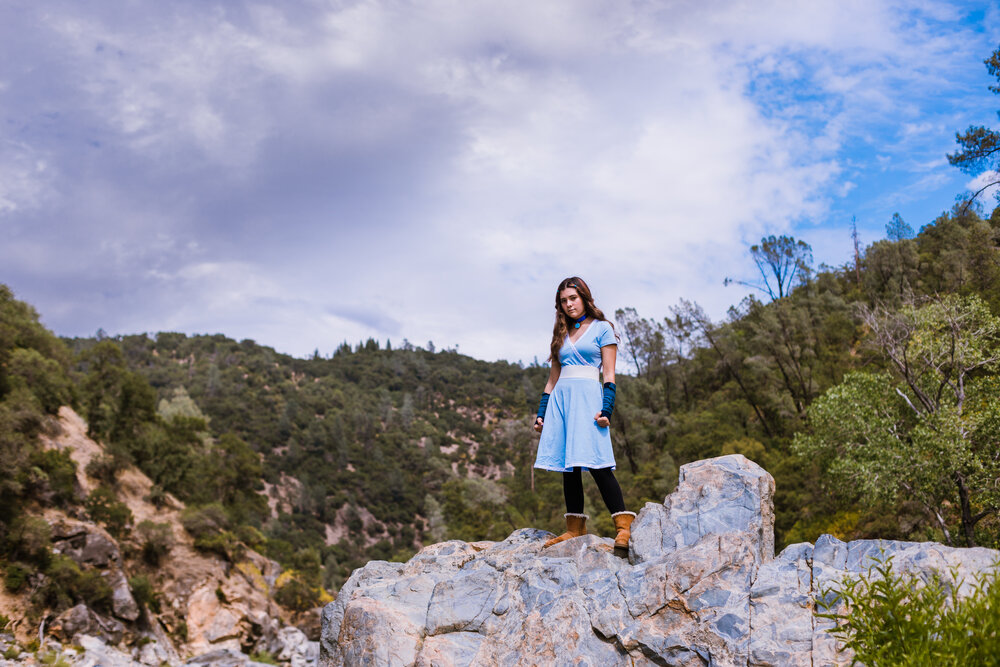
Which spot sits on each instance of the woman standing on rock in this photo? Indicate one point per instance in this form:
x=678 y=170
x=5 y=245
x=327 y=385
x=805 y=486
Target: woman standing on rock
x=575 y=410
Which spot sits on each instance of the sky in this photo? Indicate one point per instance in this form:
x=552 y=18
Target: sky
x=305 y=173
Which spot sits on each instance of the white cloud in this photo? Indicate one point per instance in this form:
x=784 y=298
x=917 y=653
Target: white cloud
x=309 y=173
x=25 y=177
x=987 y=180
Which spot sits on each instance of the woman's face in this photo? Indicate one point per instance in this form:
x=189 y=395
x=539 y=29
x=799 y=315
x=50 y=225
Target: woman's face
x=571 y=303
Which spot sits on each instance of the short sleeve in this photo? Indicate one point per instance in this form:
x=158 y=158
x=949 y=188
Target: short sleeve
x=606 y=336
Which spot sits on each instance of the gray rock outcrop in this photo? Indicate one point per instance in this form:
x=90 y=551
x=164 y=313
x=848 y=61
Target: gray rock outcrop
x=701 y=587
x=90 y=546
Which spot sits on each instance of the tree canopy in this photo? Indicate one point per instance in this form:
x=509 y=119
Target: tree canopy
x=979 y=146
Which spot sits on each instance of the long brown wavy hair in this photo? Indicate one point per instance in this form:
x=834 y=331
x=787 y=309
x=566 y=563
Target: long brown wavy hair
x=563 y=320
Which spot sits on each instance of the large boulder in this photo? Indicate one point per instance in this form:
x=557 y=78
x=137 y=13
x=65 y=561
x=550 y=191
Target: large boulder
x=701 y=586
x=81 y=620
x=91 y=547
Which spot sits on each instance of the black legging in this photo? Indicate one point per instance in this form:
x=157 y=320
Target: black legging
x=606 y=482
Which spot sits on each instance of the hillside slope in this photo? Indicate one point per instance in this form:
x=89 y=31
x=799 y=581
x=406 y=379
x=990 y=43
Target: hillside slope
x=186 y=603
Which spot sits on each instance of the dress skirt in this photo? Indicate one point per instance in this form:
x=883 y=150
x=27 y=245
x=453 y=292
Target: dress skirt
x=570 y=436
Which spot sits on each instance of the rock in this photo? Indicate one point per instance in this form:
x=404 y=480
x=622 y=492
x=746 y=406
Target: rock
x=64 y=529
x=729 y=494
x=701 y=587
x=81 y=620
x=88 y=545
x=265 y=630
x=154 y=654
x=310 y=622
x=781 y=606
x=296 y=649
x=100 y=551
x=99 y=654
x=226 y=610
x=85 y=543
x=122 y=602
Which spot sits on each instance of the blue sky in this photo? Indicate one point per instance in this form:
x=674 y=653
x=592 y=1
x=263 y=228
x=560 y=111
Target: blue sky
x=305 y=173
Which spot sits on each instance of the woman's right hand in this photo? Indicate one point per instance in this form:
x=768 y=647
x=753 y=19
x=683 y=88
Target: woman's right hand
x=538 y=424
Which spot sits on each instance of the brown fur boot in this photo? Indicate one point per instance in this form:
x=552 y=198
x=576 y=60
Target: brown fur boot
x=576 y=525
x=623 y=524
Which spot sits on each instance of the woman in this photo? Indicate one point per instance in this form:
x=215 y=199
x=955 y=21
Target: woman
x=575 y=411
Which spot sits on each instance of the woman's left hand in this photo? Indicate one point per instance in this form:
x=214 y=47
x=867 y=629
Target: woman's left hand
x=601 y=420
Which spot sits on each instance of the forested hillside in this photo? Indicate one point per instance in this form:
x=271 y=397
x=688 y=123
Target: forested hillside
x=868 y=390
x=910 y=323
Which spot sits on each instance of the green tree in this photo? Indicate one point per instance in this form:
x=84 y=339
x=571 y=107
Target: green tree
x=891 y=270
x=928 y=429
x=644 y=341
x=980 y=146
x=106 y=370
x=104 y=507
x=781 y=261
x=898 y=229
x=46 y=378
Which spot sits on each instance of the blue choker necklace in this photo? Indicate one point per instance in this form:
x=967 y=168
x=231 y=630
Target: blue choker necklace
x=577 y=325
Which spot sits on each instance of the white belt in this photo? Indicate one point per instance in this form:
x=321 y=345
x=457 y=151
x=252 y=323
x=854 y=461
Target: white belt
x=584 y=372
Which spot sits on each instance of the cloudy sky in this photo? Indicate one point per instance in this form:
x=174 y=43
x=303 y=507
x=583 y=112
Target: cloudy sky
x=303 y=173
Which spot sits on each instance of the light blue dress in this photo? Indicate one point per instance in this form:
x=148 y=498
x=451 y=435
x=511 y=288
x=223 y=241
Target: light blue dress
x=570 y=436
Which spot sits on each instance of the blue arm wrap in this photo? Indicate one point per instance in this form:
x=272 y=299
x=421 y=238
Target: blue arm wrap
x=609 y=399
x=542 y=405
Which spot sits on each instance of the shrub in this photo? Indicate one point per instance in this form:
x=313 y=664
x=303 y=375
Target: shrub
x=265 y=657
x=104 y=507
x=250 y=536
x=204 y=520
x=894 y=618
x=223 y=544
x=46 y=378
x=143 y=592
x=66 y=583
x=16 y=576
x=157 y=539
x=157 y=496
x=297 y=595
x=29 y=539
x=52 y=476
x=105 y=468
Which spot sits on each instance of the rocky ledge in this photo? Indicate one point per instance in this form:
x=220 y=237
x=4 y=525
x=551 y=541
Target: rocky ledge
x=701 y=586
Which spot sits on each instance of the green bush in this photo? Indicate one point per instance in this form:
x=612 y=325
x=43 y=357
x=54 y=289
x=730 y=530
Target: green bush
x=250 y=536
x=143 y=592
x=204 y=520
x=156 y=538
x=894 y=618
x=46 y=378
x=223 y=544
x=104 y=507
x=66 y=583
x=157 y=496
x=105 y=468
x=297 y=595
x=16 y=575
x=60 y=474
x=29 y=539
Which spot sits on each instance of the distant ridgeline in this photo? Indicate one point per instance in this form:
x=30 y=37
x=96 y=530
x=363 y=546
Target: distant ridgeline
x=369 y=453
